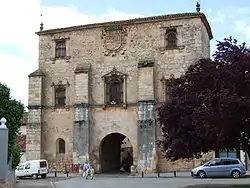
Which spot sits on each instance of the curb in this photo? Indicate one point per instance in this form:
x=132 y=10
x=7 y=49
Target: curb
x=52 y=184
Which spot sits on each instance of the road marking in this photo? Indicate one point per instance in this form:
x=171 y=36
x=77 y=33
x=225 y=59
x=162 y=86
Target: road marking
x=52 y=184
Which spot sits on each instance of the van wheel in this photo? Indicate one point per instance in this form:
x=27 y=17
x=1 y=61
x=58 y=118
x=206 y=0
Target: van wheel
x=34 y=176
x=44 y=175
x=201 y=174
x=235 y=174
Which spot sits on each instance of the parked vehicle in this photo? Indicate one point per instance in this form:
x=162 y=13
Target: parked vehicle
x=220 y=167
x=32 y=168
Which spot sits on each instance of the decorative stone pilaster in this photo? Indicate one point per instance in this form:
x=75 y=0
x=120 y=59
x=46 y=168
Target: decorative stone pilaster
x=146 y=118
x=81 y=137
x=34 y=125
x=146 y=136
x=81 y=133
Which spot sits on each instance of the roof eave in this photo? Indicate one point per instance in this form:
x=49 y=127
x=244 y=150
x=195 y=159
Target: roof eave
x=132 y=21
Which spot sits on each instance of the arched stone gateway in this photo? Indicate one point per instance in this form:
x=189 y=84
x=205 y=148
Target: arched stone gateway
x=116 y=152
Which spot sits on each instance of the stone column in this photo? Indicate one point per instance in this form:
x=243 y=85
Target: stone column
x=81 y=137
x=34 y=125
x=146 y=118
x=4 y=149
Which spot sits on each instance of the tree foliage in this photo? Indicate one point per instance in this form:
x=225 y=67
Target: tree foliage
x=209 y=107
x=12 y=110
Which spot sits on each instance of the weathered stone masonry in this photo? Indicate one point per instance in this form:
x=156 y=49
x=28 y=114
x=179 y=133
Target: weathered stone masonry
x=146 y=121
x=81 y=134
x=136 y=49
x=34 y=125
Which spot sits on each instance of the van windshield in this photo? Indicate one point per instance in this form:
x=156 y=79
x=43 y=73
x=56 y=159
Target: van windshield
x=43 y=164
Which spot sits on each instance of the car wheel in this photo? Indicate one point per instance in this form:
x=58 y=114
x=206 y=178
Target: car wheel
x=44 y=175
x=34 y=176
x=201 y=174
x=235 y=174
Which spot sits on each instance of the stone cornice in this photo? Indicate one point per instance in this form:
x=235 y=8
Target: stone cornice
x=36 y=73
x=134 y=21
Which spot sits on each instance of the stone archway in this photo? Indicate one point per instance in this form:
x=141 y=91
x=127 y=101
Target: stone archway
x=115 y=150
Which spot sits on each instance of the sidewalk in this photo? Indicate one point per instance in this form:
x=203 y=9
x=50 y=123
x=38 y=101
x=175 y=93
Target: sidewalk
x=164 y=175
x=169 y=175
x=61 y=176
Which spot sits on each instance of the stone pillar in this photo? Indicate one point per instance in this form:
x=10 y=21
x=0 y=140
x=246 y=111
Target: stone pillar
x=81 y=137
x=4 y=132
x=146 y=118
x=34 y=124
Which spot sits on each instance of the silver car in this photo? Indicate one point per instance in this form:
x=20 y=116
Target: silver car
x=220 y=167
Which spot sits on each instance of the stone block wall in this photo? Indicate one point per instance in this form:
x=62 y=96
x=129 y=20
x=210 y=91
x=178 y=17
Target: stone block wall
x=34 y=128
x=81 y=128
x=9 y=182
x=33 y=141
x=35 y=90
x=165 y=165
x=146 y=90
x=141 y=40
x=60 y=163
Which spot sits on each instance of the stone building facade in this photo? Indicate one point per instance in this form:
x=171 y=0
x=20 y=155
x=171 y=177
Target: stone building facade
x=99 y=83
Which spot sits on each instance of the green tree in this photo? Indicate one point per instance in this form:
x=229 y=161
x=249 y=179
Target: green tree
x=13 y=111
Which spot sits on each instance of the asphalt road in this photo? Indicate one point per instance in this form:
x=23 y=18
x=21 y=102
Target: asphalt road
x=33 y=184
x=125 y=182
x=43 y=183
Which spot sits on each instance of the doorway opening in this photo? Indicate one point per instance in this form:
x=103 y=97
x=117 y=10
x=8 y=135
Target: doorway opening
x=116 y=154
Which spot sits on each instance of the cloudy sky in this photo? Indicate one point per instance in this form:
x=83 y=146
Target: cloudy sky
x=20 y=19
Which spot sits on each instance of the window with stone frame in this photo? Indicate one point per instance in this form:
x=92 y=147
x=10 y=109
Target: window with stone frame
x=60 y=149
x=114 y=90
x=60 y=49
x=60 y=96
x=171 y=38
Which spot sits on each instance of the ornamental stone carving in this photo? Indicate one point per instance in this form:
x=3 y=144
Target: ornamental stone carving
x=114 y=40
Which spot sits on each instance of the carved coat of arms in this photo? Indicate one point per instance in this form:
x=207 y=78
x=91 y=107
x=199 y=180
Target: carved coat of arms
x=113 y=39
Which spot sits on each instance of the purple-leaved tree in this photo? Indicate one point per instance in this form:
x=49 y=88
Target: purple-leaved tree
x=209 y=106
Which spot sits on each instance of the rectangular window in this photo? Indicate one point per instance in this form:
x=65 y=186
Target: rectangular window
x=60 y=49
x=27 y=166
x=60 y=96
x=171 y=38
x=114 y=92
x=43 y=164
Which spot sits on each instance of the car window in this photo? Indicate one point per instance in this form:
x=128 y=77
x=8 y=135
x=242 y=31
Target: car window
x=43 y=164
x=20 y=167
x=215 y=162
x=27 y=166
x=226 y=162
x=235 y=161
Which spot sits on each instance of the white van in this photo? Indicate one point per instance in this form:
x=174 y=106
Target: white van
x=32 y=168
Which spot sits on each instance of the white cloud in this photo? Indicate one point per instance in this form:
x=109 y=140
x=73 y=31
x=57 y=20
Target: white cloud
x=242 y=24
x=217 y=17
x=18 y=26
